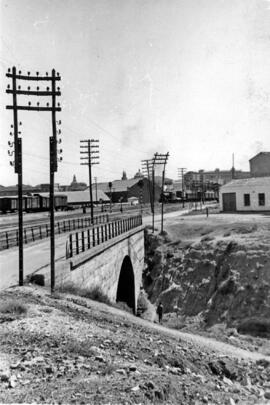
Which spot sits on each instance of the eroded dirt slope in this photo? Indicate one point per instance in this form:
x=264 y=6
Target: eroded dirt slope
x=72 y=350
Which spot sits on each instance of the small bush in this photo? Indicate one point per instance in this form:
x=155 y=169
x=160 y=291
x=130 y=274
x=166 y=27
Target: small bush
x=255 y=327
x=94 y=293
x=13 y=307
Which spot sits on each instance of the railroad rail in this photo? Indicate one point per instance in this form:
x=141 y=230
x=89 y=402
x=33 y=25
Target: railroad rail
x=33 y=233
x=79 y=242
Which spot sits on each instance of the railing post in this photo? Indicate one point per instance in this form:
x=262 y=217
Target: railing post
x=88 y=238
x=25 y=236
x=17 y=238
x=7 y=240
x=69 y=225
x=97 y=235
x=94 y=238
x=64 y=226
x=106 y=232
x=70 y=245
x=109 y=229
x=83 y=247
x=47 y=230
x=74 y=224
x=102 y=234
x=77 y=243
x=33 y=236
x=58 y=227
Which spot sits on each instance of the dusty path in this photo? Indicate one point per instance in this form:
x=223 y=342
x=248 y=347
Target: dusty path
x=197 y=340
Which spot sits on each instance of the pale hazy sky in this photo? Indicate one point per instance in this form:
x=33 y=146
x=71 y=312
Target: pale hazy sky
x=191 y=77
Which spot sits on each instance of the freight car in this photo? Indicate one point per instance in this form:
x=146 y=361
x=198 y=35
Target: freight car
x=32 y=203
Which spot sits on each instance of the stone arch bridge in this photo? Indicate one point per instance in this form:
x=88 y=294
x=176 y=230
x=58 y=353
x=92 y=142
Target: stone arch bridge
x=109 y=257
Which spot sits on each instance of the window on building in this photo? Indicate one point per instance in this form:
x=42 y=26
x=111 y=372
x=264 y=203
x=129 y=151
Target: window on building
x=261 y=198
x=246 y=200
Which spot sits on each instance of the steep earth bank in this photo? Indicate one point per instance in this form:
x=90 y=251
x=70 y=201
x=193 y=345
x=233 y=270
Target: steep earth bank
x=216 y=267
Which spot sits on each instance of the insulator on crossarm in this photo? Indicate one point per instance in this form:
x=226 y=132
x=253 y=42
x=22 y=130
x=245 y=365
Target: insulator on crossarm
x=37 y=73
x=8 y=86
x=19 y=87
x=10 y=152
x=11 y=125
x=20 y=123
x=38 y=104
x=60 y=151
x=58 y=104
x=28 y=73
x=46 y=73
x=8 y=70
x=28 y=88
x=59 y=131
x=20 y=72
x=11 y=134
x=10 y=143
x=59 y=122
x=29 y=103
x=11 y=163
x=47 y=104
x=19 y=133
x=47 y=88
x=59 y=141
x=60 y=159
x=37 y=88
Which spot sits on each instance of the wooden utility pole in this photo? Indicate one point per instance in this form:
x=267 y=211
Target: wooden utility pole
x=96 y=188
x=161 y=159
x=53 y=92
x=90 y=147
x=181 y=176
x=147 y=167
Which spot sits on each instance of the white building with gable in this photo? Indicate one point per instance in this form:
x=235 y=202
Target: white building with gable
x=251 y=194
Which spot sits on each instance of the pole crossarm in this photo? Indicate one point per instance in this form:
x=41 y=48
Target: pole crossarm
x=30 y=108
x=33 y=92
x=33 y=78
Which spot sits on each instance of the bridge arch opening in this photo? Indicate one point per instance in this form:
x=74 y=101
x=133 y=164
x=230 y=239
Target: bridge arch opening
x=126 y=284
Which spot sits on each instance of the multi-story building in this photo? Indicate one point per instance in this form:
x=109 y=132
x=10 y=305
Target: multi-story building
x=260 y=165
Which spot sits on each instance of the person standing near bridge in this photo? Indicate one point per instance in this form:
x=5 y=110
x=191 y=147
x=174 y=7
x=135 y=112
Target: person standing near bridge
x=160 y=312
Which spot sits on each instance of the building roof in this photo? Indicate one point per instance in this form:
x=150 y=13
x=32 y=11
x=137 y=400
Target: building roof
x=77 y=197
x=250 y=182
x=260 y=154
x=117 y=185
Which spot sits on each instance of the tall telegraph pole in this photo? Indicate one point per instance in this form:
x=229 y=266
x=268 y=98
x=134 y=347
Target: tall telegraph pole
x=181 y=176
x=147 y=168
x=89 y=156
x=161 y=159
x=15 y=89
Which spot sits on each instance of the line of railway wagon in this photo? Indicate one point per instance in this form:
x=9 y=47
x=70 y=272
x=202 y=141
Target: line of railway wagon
x=32 y=203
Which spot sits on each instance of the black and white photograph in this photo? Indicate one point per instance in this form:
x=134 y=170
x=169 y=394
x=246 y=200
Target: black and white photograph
x=135 y=202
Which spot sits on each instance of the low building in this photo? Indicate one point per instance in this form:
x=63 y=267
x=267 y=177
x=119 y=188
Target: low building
x=122 y=190
x=260 y=165
x=244 y=195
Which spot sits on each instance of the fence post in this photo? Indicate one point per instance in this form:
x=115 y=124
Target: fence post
x=102 y=234
x=88 y=238
x=97 y=235
x=25 y=236
x=58 y=227
x=7 y=240
x=33 y=236
x=47 y=230
x=69 y=225
x=70 y=245
x=83 y=248
x=17 y=238
x=77 y=243
x=106 y=232
x=94 y=239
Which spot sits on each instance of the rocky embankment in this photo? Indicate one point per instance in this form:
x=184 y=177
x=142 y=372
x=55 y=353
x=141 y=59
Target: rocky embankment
x=66 y=349
x=225 y=278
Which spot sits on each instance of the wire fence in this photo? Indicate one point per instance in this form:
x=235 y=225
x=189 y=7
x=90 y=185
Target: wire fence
x=33 y=233
x=81 y=241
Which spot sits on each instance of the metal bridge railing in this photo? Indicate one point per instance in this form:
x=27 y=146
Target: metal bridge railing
x=81 y=241
x=10 y=238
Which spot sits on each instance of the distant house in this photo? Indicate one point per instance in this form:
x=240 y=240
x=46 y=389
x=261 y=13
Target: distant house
x=81 y=198
x=260 y=165
x=122 y=190
x=251 y=194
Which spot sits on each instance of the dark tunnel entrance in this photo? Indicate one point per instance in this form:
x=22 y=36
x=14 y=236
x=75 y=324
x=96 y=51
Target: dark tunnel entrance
x=126 y=284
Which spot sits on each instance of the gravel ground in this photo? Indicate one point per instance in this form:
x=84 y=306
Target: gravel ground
x=66 y=349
